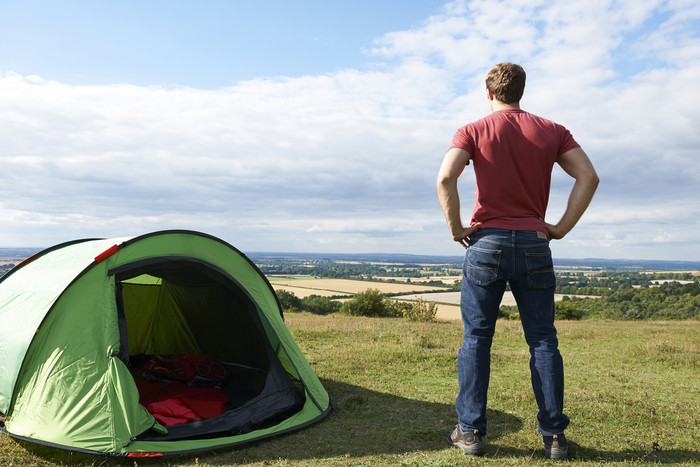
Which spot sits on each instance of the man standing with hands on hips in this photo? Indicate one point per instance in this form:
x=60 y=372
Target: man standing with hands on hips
x=507 y=241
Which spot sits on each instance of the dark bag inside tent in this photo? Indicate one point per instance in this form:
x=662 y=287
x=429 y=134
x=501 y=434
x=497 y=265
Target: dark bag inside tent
x=178 y=306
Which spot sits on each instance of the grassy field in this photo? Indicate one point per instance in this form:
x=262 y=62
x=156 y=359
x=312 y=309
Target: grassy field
x=632 y=394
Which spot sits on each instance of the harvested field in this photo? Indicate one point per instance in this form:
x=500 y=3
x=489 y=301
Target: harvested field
x=448 y=302
x=345 y=286
x=453 y=297
x=418 y=280
x=302 y=292
x=448 y=312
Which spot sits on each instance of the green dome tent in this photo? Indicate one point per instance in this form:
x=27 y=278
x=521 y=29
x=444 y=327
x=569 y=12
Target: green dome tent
x=79 y=319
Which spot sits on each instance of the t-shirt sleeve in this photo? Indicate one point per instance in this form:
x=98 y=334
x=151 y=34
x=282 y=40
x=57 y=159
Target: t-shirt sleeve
x=567 y=142
x=462 y=140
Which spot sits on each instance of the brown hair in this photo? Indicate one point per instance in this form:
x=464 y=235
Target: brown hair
x=506 y=81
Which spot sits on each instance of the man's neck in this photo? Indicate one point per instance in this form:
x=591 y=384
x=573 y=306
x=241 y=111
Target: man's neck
x=497 y=105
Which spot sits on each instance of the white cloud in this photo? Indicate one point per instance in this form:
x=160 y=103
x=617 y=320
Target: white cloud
x=346 y=161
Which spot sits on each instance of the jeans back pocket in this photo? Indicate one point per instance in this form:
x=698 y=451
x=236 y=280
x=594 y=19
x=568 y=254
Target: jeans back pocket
x=482 y=265
x=540 y=271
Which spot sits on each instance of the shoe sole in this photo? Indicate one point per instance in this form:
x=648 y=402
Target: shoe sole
x=471 y=449
x=556 y=453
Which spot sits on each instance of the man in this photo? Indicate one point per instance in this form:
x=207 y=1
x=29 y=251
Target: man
x=507 y=241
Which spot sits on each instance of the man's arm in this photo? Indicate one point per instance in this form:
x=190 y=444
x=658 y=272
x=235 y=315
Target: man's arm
x=452 y=166
x=577 y=164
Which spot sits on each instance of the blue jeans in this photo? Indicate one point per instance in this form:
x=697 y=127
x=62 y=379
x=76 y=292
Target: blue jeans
x=522 y=259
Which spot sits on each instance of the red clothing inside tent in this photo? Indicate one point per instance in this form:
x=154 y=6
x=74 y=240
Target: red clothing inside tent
x=176 y=403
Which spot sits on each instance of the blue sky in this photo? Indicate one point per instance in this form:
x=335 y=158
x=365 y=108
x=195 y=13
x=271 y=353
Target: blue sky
x=207 y=44
x=319 y=126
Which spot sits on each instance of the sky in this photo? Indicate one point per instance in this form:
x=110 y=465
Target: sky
x=319 y=127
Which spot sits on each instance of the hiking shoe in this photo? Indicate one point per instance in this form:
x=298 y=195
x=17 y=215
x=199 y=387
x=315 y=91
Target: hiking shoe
x=470 y=442
x=555 y=447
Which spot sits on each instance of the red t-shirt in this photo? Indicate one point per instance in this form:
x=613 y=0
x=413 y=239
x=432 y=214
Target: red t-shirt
x=513 y=153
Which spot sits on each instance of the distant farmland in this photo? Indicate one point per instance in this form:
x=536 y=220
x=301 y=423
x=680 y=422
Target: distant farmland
x=448 y=308
x=303 y=286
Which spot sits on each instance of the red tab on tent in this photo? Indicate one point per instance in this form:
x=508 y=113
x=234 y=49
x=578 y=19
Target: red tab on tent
x=31 y=258
x=107 y=253
x=145 y=454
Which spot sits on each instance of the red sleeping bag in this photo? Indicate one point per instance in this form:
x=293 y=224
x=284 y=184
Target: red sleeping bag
x=173 y=402
x=176 y=403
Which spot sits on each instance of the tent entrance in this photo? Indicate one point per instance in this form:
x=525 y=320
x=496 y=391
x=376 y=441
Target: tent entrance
x=180 y=306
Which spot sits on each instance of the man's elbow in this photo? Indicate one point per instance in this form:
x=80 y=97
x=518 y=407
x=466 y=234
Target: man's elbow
x=589 y=178
x=593 y=179
x=445 y=180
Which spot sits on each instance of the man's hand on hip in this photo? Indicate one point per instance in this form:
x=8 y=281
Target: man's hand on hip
x=555 y=232
x=463 y=237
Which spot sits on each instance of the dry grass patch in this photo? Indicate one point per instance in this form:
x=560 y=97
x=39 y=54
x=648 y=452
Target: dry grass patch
x=448 y=312
x=303 y=292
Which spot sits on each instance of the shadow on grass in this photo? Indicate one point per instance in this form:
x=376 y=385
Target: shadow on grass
x=654 y=454
x=362 y=423
x=370 y=423
x=366 y=422
x=586 y=454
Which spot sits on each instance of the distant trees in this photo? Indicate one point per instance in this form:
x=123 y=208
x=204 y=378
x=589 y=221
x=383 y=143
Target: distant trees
x=347 y=270
x=607 y=282
x=288 y=300
x=566 y=309
x=624 y=294
x=421 y=310
x=671 y=301
x=668 y=301
x=371 y=303
x=315 y=304
x=5 y=268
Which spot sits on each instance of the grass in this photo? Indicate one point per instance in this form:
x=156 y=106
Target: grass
x=632 y=394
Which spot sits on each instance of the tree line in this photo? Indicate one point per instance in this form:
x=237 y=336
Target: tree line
x=370 y=303
x=340 y=270
x=5 y=268
x=624 y=296
x=671 y=301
